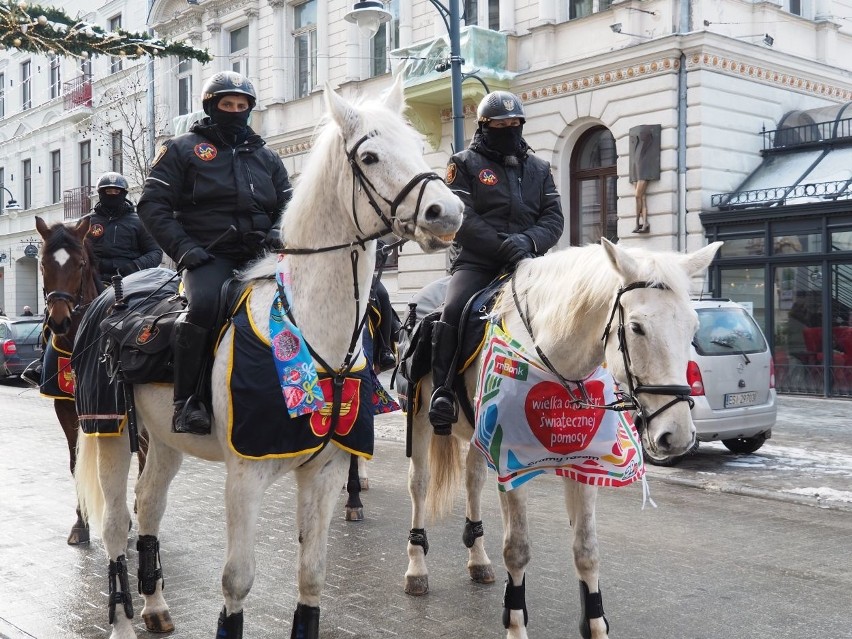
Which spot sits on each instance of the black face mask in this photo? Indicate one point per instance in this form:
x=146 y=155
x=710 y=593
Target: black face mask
x=506 y=141
x=232 y=124
x=111 y=202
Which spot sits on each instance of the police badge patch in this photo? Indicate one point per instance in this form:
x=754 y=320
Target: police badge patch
x=509 y=104
x=451 y=172
x=160 y=153
x=205 y=151
x=96 y=230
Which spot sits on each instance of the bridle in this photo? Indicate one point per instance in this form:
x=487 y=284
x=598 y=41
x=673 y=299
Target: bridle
x=74 y=302
x=360 y=182
x=629 y=398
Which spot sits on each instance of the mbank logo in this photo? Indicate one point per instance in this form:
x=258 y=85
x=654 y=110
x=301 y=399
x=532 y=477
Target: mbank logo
x=511 y=368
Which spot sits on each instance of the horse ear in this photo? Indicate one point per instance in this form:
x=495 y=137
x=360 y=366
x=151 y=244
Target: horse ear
x=621 y=261
x=695 y=263
x=396 y=95
x=41 y=227
x=341 y=112
x=82 y=227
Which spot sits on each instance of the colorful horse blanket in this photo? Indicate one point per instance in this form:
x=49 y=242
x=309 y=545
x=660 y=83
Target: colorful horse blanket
x=528 y=423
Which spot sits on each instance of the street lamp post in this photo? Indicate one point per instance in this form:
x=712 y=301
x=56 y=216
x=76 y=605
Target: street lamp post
x=12 y=204
x=371 y=12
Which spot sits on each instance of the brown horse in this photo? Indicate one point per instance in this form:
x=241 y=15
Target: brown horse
x=68 y=292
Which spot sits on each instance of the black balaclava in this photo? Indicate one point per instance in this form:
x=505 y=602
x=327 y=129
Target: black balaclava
x=234 y=125
x=506 y=141
x=113 y=203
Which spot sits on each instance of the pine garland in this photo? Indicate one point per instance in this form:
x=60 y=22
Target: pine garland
x=49 y=30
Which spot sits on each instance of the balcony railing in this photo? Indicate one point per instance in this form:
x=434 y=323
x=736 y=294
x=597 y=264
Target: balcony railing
x=77 y=92
x=807 y=134
x=77 y=202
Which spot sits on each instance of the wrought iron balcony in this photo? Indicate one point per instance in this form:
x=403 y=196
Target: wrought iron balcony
x=77 y=202
x=804 y=135
x=77 y=92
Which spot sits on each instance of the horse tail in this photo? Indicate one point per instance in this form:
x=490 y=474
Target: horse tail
x=89 y=493
x=445 y=476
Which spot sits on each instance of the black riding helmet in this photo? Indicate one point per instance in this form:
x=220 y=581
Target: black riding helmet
x=500 y=105
x=112 y=180
x=226 y=83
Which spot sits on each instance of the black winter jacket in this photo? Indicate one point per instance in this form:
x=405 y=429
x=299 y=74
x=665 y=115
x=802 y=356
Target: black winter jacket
x=503 y=199
x=199 y=185
x=120 y=241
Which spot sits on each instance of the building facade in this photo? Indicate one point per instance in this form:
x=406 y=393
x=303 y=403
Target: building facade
x=646 y=109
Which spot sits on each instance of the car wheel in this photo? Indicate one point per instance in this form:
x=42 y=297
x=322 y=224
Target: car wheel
x=672 y=460
x=745 y=445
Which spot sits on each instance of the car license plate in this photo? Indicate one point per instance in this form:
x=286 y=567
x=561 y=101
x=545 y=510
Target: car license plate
x=740 y=399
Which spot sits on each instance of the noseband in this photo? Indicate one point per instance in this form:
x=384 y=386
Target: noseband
x=74 y=302
x=629 y=400
x=679 y=392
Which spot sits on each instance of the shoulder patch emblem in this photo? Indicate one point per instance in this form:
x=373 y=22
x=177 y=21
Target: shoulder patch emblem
x=451 y=172
x=487 y=177
x=96 y=230
x=160 y=153
x=205 y=151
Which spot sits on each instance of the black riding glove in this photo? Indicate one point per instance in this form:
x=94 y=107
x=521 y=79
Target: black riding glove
x=195 y=257
x=125 y=266
x=514 y=248
x=273 y=239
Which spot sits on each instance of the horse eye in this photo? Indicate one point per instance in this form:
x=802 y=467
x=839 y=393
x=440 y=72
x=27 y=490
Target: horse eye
x=636 y=328
x=369 y=158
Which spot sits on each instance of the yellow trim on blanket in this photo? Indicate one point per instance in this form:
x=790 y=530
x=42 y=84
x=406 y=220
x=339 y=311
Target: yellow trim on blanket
x=351 y=451
x=120 y=432
x=56 y=348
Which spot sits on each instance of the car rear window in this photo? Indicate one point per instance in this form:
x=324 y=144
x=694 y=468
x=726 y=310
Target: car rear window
x=722 y=331
x=26 y=331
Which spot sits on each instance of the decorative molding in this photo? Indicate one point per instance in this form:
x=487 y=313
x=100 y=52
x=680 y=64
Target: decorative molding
x=696 y=61
x=276 y=3
x=215 y=27
x=766 y=75
x=252 y=13
x=296 y=148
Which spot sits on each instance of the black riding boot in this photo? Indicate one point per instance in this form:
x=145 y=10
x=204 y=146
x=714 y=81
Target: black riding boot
x=191 y=344
x=443 y=412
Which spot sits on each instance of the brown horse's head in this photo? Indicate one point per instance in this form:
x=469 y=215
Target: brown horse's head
x=67 y=268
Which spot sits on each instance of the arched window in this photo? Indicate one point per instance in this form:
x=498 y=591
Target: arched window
x=594 y=205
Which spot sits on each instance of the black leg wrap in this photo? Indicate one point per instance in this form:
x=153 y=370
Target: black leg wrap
x=305 y=622
x=230 y=626
x=472 y=531
x=417 y=537
x=514 y=598
x=149 y=564
x=591 y=607
x=118 y=578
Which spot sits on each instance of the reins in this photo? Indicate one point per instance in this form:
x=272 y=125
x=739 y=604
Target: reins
x=629 y=399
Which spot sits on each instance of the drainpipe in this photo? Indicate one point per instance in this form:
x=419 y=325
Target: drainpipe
x=683 y=28
x=151 y=123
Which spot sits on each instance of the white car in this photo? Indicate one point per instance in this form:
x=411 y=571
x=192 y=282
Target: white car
x=732 y=377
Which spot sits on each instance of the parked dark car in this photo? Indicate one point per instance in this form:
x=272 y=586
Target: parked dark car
x=20 y=344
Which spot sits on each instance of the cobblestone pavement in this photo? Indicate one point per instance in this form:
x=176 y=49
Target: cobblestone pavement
x=706 y=564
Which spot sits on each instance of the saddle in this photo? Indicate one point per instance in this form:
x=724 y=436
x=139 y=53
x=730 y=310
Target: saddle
x=415 y=342
x=134 y=341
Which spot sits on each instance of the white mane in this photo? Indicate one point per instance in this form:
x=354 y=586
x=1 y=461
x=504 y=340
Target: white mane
x=567 y=285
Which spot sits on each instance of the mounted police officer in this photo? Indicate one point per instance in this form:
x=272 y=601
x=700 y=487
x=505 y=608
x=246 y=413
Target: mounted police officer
x=116 y=234
x=512 y=211
x=219 y=174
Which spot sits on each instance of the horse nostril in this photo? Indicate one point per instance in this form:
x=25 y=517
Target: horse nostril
x=664 y=442
x=434 y=212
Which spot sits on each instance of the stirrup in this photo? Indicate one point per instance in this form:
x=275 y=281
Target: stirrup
x=191 y=417
x=32 y=374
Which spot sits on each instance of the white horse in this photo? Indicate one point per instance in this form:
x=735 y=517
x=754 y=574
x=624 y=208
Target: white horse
x=563 y=303
x=365 y=177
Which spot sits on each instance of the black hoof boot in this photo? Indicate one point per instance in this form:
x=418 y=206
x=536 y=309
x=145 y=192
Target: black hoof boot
x=191 y=417
x=442 y=411
x=230 y=626
x=591 y=607
x=305 y=622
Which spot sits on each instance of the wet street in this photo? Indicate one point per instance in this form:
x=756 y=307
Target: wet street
x=734 y=549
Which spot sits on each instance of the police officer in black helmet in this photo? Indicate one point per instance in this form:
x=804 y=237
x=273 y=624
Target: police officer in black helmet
x=116 y=234
x=512 y=211
x=219 y=174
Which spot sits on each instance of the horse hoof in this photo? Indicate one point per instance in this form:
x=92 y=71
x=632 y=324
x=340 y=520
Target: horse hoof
x=79 y=535
x=365 y=483
x=354 y=514
x=159 y=622
x=416 y=585
x=482 y=574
